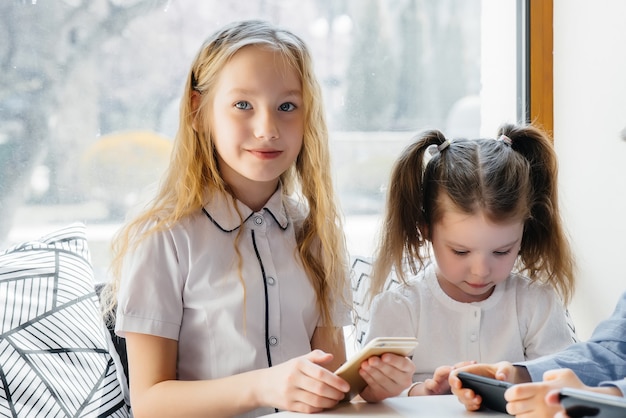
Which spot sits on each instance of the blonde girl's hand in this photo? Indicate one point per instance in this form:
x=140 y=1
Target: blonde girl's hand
x=531 y=400
x=386 y=376
x=302 y=384
x=501 y=371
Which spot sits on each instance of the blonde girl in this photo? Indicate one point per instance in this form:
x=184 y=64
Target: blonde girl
x=231 y=285
x=474 y=233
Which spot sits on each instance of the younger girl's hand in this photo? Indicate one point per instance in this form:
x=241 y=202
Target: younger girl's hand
x=438 y=384
x=302 y=384
x=501 y=371
x=386 y=376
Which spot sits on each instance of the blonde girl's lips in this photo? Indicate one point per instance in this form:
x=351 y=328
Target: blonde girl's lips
x=265 y=154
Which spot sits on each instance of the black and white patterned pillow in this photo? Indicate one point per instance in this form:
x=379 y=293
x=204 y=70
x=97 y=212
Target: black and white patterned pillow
x=54 y=352
x=360 y=277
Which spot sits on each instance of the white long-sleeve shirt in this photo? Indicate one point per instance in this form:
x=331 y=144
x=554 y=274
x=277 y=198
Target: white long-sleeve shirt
x=520 y=321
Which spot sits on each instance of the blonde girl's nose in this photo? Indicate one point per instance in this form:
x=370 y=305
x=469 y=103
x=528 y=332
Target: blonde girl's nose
x=265 y=126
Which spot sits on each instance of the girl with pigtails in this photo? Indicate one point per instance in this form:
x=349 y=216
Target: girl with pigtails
x=473 y=232
x=231 y=287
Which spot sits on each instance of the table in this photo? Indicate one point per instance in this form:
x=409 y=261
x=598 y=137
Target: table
x=444 y=406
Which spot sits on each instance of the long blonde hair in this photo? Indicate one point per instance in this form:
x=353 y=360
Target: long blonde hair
x=515 y=178
x=193 y=175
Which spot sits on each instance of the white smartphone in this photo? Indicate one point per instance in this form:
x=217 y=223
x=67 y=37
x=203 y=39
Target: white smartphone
x=349 y=371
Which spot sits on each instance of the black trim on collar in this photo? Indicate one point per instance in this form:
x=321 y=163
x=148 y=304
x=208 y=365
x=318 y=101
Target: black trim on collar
x=227 y=230
x=274 y=217
x=282 y=227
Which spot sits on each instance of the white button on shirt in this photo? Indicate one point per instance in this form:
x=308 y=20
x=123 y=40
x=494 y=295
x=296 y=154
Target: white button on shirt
x=185 y=284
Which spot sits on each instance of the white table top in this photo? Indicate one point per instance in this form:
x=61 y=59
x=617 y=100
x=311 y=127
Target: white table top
x=445 y=406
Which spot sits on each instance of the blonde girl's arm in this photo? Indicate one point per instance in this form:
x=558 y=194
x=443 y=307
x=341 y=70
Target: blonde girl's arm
x=330 y=340
x=300 y=384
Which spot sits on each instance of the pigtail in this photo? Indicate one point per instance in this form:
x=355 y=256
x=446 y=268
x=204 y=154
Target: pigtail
x=403 y=228
x=545 y=250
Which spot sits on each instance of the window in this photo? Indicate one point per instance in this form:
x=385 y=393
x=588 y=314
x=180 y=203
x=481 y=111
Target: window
x=89 y=96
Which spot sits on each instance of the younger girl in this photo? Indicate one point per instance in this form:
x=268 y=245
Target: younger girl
x=483 y=208
x=226 y=282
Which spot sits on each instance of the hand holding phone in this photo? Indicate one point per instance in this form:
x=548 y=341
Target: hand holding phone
x=490 y=390
x=583 y=403
x=349 y=371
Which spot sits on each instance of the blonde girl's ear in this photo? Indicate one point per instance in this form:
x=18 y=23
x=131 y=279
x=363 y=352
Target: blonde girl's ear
x=196 y=98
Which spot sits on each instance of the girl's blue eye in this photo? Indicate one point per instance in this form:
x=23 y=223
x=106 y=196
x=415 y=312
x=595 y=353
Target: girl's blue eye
x=243 y=105
x=287 y=107
x=502 y=252
x=457 y=252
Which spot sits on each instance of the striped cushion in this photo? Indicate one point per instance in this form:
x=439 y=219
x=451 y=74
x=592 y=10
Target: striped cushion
x=54 y=353
x=360 y=277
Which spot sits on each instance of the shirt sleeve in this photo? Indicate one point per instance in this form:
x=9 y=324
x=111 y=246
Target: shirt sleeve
x=150 y=297
x=600 y=361
x=393 y=314
x=549 y=328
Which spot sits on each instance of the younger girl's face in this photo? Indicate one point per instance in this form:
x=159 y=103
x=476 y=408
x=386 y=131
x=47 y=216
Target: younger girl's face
x=474 y=254
x=257 y=120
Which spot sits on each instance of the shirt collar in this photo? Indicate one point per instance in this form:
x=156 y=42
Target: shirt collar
x=222 y=210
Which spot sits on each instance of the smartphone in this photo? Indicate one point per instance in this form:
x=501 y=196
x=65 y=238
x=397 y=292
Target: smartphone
x=349 y=371
x=490 y=390
x=583 y=403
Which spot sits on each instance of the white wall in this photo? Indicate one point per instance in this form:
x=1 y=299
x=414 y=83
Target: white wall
x=590 y=113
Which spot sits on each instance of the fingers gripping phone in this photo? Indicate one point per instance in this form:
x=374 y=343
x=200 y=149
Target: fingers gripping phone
x=583 y=403
x=490 y=390
x=349 y=371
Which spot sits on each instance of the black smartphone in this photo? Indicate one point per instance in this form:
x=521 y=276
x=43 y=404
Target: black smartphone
x=583 y=403
x=490 y=390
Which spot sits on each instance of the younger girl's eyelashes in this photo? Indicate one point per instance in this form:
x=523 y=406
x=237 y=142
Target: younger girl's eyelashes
x=461 y=252
x=284 y=107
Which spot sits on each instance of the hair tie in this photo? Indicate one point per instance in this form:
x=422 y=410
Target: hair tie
x=436 y=149
x=505 y=139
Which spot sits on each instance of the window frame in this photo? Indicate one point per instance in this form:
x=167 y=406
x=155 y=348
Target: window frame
x=535 y=49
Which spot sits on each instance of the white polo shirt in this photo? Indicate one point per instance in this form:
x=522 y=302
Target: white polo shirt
x=521 y=320
x=185 y=284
